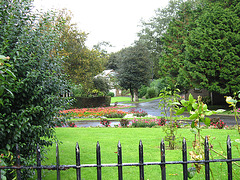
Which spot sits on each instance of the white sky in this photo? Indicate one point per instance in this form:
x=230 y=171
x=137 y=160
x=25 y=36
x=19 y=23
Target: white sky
x=114 y=21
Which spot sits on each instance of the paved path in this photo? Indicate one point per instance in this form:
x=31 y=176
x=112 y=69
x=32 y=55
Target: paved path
x=152 y=109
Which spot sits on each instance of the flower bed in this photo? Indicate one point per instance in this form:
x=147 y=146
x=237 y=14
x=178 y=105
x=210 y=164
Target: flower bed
x=217 y=123
x=109 y=112
x=148 y=122
x=139 y=113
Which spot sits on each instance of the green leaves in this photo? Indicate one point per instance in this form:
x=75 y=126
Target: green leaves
x=180 y=111
x=33 y=75
x=191 y=172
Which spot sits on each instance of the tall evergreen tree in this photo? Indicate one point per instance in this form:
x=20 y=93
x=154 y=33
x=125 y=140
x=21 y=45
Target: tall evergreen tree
x=212 y=58
x=153 y=30
x=173 y=49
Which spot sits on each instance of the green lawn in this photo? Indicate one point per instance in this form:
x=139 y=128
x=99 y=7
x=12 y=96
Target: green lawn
x=128 y=99
x=129 y=138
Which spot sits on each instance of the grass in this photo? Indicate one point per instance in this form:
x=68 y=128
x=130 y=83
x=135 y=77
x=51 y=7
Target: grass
x=127 y=100
x=129 y=138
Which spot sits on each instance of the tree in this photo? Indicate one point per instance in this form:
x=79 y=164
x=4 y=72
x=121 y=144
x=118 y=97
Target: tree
x=101 y=84
x=173 y=48
x=212 y=49
x=30 y=115
x=134 y=69
x=154 y=29
x=112 y=61
x=80 y=63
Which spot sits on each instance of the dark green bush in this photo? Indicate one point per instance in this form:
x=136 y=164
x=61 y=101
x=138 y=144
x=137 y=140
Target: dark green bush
x=151 y=92
x=29 y=116
x=101 y=84
x=142 y=91
x=110 y=94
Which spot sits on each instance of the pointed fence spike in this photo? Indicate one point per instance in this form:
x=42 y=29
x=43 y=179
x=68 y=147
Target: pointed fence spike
x=57 y=162
x=206 y=154
x=39 y=171
x=163 y=166
x=99 y=169
x=120 y=176
x=141 y=167
x=78 y=170
x=18 y=162
x=229 y=157
x=184 y=155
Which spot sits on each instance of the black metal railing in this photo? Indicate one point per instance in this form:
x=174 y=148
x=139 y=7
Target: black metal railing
x=120 y=164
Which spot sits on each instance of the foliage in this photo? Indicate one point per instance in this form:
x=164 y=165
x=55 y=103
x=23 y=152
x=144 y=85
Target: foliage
x=169 y=102
x=133 y=69
x=80 y=63
x=139 y=113
x=173 y=50
x=124 y=122
x=198 y=112
x=5 y=74
x=148 y=122
x=115 y=114
x=200 y=48
x=151 y=92
x=212 y=62
x=217 y=123
x=30 y=116
x=77 y=90
x=113 y=61
x=5 y=157
x=71 y=124
x=110 y=94
x=105 y=122
x=233 y=103
x=101 y=84
x=142 y=91
x=153 y=30
x=93 y=112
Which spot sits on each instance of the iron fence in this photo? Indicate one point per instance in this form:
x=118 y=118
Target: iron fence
x=162 y=163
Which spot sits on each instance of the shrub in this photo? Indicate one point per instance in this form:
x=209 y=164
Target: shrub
x=101 y=84
x=71 y=124
x=105 y=122
x=139 y=113
x=32 y=43
x=142 y=91
x=116 y=114
x=151 y=92
x=77 y=90
x=148 y=122
x=124 y=122
x=217 y=123
x=110 y=94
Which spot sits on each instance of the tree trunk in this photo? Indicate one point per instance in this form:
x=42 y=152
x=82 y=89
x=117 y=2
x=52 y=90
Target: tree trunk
x=135 y=91
x=131 y=91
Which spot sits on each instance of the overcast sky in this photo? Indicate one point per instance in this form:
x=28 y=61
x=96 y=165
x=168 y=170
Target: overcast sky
x=114 y=21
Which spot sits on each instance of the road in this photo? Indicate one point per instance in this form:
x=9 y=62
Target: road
x=152 y=109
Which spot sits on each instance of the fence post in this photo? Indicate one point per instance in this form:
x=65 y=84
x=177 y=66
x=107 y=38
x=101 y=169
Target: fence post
x=39 y=170
x=57 y=162
x=184 y=153
x=206 y=152
x=18 y=162
x=99 y=172
x=229 y=157
x=78 y=169
x=119 y=161
x=141 y=166
x=163 y=166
